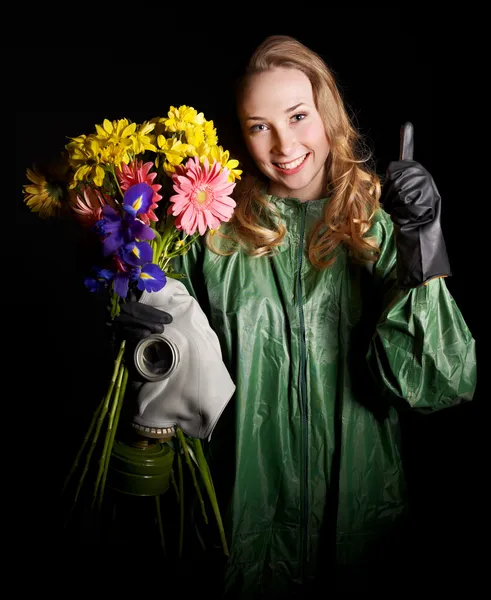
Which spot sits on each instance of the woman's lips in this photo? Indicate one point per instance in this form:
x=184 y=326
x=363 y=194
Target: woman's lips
x=295 y=169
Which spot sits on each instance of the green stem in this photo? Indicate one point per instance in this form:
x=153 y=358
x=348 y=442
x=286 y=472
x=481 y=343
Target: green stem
x=155 y=243
x=112 y=429
x=113 y=172
x=100 y=420
x=182 y=440
x=84 y=443
x=168 y=225
x=114 y=304
x=166 y=240
x=112 y=411
x=174 y=484
x=205 y=473
x=168 y=257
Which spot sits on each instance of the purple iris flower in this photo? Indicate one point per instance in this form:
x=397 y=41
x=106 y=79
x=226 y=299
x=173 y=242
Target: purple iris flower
x=136 y=253
x=101 y=280
x=138 y=199
x=122 y=281
x=152 y=278
x=125 y=229
x=124 y=237
x=149 y=277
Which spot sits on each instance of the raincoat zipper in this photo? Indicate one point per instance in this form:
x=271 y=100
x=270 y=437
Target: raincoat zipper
x=303 y=402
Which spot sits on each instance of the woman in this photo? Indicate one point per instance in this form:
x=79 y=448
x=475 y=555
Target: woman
x=331 y=325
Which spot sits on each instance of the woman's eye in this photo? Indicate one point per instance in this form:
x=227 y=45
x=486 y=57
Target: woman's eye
x=299 y=117
x=256 y=128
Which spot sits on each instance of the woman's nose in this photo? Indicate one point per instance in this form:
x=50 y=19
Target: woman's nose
x=283 y=142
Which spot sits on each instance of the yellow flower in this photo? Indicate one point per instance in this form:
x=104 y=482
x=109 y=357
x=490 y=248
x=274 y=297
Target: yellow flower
x=47 y=191
x=78 y=149
x=174 y=150
x=114 y=154
x=84 y=155
x=116 y=141
x=180 y=117
x=142 y=141
x=202 y=152
x=195 y=135
x=198 y=135
x=115 y=132
x=223 y=157
x=210 y=133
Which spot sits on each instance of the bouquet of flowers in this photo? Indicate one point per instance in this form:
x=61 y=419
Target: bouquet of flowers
x=147 y=191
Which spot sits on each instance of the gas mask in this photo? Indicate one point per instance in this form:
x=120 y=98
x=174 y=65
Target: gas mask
x=187 y=385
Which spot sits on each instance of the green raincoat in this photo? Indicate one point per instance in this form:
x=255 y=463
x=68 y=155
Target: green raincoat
x=307 y=455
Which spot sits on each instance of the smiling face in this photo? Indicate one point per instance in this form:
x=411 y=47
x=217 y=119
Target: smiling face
x=284 y=133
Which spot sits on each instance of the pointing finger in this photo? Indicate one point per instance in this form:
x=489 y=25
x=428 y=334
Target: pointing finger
x=407 y=142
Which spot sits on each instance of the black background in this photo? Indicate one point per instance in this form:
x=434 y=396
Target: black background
x=391 y=67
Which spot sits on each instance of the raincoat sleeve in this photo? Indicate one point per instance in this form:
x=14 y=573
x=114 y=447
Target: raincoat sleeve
x=422 y=352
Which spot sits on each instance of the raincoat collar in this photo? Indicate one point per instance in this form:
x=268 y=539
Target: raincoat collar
x=294 y=202
x=290 y=215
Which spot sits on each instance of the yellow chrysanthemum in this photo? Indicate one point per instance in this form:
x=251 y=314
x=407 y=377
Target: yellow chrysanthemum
x=202 y=152
x=179 y=118
x=45 y=195
x=195 y=135
x=78 y=149
x=115 y=132
x=210 y=133
x=174 y=150
x=141 y=140
x=223 y=157
x=116 y=141
x=84 y=155
x=114 y=154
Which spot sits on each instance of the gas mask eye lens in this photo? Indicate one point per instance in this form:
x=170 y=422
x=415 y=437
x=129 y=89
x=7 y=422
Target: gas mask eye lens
x=156 y=357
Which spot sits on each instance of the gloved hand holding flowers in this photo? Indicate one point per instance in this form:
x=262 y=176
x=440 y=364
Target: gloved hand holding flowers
x=118 y=182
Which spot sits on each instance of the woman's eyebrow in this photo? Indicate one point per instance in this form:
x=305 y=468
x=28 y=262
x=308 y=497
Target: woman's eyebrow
x=288 y=110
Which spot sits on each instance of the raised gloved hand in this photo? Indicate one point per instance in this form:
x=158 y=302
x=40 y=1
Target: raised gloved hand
x=412 y=200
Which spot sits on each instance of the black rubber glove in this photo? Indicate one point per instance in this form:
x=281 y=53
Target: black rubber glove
x=412 y=200
x=137 y=321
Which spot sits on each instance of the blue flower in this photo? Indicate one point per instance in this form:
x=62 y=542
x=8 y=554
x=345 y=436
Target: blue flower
x=136 y=253
x=138 y=199
x=152 y=278
x=122 y=281
x=120 y=230
x=101 y=280
x=124 y=238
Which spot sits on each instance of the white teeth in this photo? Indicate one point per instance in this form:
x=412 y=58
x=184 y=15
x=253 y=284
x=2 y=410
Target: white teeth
x=292 y=165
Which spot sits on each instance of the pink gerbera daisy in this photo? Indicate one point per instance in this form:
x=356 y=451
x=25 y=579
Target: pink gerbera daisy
x=137 y=172
x=88 y=206
x=202 y=199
